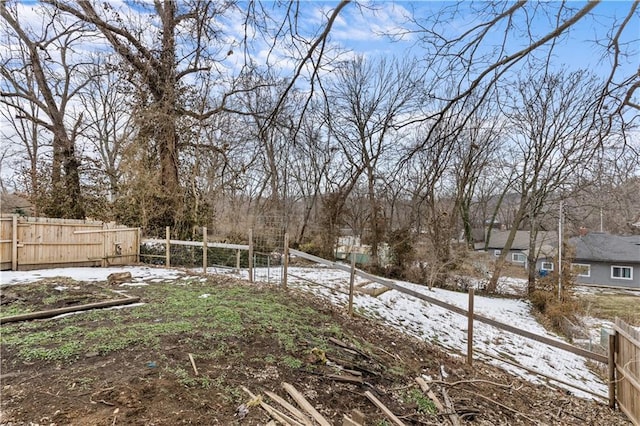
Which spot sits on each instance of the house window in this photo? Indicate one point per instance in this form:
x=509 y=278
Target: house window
x=581 y=269
x=497 y=253
x=547 y=266
x=622 y=272
x=518 y=257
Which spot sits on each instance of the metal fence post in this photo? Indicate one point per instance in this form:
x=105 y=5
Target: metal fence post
x=168 y=248
x=14 y=242
x=352 y=278
x=250 y=255
x=204 y=249
x=470 y=329
x=285 y=265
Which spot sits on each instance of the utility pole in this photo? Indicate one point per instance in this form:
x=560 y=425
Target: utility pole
x=601 y=221
x=560 y=253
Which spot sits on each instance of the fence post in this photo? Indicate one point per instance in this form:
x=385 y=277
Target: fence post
x=612 y=370
x=204 y=249
x=168 y=247
x=286 y=260
x=352 y=279
x=138 y=242
x=105 y=246
x=470 y=329
x=250 y=255
x=14 y=242
x=238 y=260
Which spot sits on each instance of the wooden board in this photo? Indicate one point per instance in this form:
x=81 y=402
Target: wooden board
x=304 y=404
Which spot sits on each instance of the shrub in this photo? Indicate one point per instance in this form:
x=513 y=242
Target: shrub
x=546 y=301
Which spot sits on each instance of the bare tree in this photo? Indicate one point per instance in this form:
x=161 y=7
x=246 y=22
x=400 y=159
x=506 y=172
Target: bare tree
x=23 y=146
x=428 y=167
x=42 y=77
x=553 y=134
x=109 y=125
x=475 y=150
x=310 y=160
x=174 y=42
x=481 y=61
x=367 y=102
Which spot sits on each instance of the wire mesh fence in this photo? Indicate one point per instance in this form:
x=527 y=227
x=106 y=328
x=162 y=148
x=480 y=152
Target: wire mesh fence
x=265 y=246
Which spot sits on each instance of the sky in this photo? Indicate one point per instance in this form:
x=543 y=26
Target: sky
x=405 y=313
x=362 y=29
x=373 y=28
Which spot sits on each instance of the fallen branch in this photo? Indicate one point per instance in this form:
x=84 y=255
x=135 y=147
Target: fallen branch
x=347 y=347
x=101 y=401
x=546 y=376
x=55 y=312
x=347 y=365
x=501 y=385
x=533 y=421
x=453 y=416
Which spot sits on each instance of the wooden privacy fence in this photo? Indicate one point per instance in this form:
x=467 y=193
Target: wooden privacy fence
x=37 y=242
x=625 y=344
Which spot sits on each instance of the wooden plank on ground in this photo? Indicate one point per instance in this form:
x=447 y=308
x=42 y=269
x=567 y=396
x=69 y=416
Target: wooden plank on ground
x=384 y=409
x=276 y=414
x=373 y=292
x=432 y=396
x=364 y=283
x=299 y=415
x=345 y=378
x=348 y=421
x=453 y=416
x=301 y=400
x=55 y=312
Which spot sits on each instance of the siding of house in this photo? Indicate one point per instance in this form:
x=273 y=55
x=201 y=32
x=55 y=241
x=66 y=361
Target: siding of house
x=601 y=274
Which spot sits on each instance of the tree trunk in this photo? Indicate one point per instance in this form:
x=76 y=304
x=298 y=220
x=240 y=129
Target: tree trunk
x=531 y=260
x=493 y=282
x=374 y=220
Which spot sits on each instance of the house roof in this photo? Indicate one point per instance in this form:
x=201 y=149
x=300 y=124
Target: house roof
x=14 y=203
x=603 y=247
x=498 y=239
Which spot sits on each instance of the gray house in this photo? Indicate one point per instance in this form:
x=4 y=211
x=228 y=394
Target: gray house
x=604 y=259
x=545 y=248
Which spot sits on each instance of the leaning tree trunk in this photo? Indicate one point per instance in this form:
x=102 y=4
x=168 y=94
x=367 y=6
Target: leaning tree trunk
x=531 y=259
x=502 y=260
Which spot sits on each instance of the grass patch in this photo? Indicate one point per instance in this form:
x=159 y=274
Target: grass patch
x=14 y=309
x=292 y=362
x=188 y=380
x=51 y=293
x=178 y=311
x=423 y=404
x=610 y=306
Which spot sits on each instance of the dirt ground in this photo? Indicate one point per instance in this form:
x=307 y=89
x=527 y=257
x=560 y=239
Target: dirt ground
x=131 y=366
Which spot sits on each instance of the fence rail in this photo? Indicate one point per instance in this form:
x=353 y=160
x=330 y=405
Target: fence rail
x=27 y=243
x=506 y=327
x=460 y=311
x=204 y=245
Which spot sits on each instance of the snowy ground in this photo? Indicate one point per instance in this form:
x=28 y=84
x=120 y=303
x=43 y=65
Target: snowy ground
x=401 y=311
